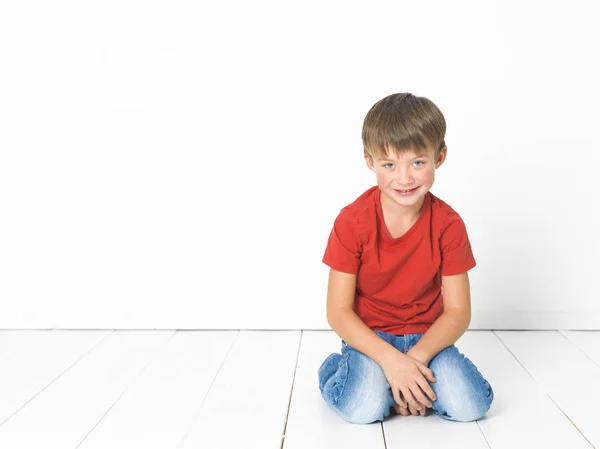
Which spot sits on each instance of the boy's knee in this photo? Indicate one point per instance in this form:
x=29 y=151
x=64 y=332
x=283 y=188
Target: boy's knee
x=468 y=414
x=328 y=368
x=465 y=405
x=368 y=413
x=463 y=393
x=356 y=387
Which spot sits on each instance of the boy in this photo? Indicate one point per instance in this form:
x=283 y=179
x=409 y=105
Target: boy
x=398 y=293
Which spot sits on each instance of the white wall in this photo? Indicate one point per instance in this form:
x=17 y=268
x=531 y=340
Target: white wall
x=180 y=164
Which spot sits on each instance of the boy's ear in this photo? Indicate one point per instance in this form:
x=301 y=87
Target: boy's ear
x=441 y=157
x=369 y=162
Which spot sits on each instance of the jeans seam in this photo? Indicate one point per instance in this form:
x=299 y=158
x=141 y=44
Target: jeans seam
x=342 y=378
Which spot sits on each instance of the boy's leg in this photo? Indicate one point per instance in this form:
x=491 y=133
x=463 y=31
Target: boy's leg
x=355 y=387
x=462 y=392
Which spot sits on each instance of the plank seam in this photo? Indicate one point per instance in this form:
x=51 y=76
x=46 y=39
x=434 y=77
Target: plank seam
x=292 y=389
x=545 y=392
x=160 y=352
x=57 y=377
x=195 y=417
x=578 y=348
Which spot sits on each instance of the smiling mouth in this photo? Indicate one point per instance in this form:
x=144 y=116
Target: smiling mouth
x=405 y=191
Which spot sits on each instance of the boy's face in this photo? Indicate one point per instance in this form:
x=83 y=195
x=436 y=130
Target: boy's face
x=402 y=172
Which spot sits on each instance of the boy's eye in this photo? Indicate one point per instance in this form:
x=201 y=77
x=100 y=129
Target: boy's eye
x=419 y=162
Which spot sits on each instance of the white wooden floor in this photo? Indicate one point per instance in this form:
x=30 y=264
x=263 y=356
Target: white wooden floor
x=259 y=389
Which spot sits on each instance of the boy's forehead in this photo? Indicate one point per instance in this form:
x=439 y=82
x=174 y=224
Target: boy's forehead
x=406 y=155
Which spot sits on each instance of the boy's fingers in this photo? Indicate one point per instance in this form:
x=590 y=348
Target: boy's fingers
x=404 y=412
x=401 y=411
x=428 y=391
x=407 y=395
x=427 y=372
x=398 y=398
x=400 y=402
x=414 y=408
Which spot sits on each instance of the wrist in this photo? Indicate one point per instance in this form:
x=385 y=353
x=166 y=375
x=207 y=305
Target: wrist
x=388 y=354
x=420 y=356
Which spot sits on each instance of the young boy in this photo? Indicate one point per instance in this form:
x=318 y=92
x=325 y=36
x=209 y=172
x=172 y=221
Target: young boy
x=398 y=293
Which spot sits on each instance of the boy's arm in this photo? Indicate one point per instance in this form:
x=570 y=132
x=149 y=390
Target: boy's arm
x=449 y=326
x=347 y=324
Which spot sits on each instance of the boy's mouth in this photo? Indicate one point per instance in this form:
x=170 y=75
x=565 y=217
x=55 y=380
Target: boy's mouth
x=406 y=192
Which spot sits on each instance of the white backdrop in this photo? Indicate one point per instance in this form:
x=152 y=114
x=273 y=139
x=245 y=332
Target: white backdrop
x=180 y=164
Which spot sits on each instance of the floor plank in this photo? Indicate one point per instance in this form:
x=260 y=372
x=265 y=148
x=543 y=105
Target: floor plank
x=230 y=389
x=312 y=423
x=247 y=403
x=61 y=415
x=521 y=414
x=556 y=369
x=587 y=342
x=156 y=411
x=32 y=360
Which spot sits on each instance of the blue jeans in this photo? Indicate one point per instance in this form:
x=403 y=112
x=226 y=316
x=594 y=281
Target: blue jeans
x=355 y=386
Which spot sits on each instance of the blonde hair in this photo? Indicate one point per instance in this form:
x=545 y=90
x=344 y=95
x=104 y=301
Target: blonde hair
x=403 y=122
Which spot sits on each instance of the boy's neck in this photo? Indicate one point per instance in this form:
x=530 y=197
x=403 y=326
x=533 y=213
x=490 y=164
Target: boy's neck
x=397 y=212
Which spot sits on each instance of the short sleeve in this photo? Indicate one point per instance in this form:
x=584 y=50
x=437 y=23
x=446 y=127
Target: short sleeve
x=344 y=248
x=457 y=256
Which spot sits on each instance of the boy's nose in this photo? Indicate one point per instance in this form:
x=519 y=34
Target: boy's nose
x=404 y=179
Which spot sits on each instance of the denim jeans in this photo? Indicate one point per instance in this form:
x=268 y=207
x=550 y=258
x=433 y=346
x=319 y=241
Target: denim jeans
x=355 y=386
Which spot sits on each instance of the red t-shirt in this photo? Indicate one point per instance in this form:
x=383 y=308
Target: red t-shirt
x=399 y=280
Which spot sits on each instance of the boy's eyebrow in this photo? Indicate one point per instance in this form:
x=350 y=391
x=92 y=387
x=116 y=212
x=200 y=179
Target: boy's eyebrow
x=391 y=160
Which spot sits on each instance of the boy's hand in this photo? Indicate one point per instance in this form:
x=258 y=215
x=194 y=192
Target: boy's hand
x=408 y=381
x=415 y=355
x=415 y=408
